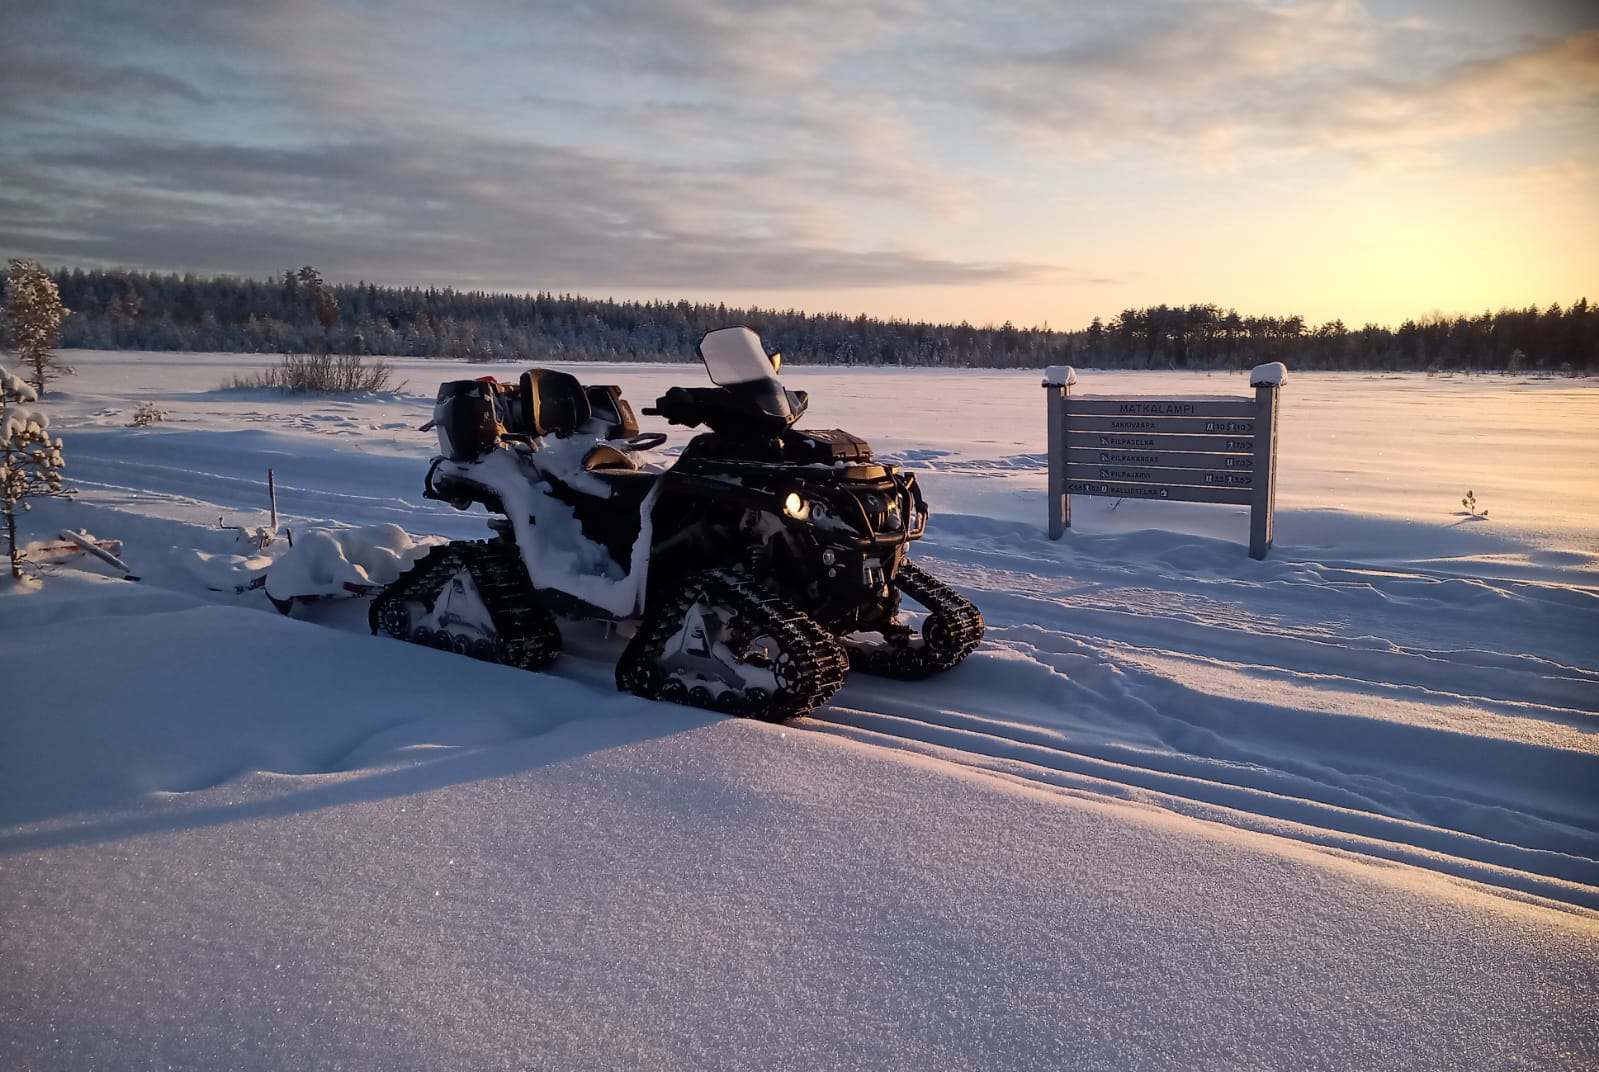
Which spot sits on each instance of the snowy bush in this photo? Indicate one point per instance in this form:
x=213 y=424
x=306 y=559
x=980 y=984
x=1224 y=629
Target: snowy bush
x=319 y=374
x=148 y=413
x=14 y=389
x=30 y=461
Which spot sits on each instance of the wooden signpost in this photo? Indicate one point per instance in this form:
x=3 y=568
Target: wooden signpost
x=1210 y=450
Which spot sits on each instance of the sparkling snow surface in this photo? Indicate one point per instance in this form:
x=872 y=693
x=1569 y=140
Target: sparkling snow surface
x=1338 y=809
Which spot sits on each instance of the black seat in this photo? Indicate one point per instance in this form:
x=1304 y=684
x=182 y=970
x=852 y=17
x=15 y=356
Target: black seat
x=553 y=403
x=612 y=411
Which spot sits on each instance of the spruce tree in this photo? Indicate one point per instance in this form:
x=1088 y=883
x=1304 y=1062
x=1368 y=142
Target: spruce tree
x=33 y=318
x=30 y=461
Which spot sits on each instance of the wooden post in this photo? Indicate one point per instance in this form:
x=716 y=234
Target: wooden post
x=1263 y=501
x=1058 y=380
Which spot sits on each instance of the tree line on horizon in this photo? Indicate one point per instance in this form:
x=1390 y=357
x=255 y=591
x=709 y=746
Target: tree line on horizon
x=299 y=312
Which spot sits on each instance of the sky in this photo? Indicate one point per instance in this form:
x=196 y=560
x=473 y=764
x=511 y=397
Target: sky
x=1032 y=162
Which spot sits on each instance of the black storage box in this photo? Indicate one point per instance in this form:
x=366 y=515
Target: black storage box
x=830 y=445
x=466 y=420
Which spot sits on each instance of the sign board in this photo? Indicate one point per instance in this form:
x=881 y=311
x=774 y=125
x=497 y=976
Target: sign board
x=1169 y=492
x=1225 y=443
x=1205 y=450
x=1191 y=459
x=1241 y=408
x=1164 y=425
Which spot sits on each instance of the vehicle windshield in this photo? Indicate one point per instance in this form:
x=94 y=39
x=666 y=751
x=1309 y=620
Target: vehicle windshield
x=735 y=355
x=737 y=362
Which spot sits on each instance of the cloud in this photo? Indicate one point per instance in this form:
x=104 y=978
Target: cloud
x=502 y=215
x=1553 y=82
x=1181 y=76
x=52 y=84
x=675 y=145
x=51 y=66
x=1211 y=83
x=747 y=45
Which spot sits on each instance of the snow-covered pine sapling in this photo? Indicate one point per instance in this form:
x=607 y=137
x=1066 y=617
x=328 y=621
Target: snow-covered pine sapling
x=1470 y=503
x=31 y=326
x=30 y=461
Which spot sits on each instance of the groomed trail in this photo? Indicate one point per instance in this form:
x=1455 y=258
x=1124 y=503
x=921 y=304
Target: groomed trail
x=1412 y=710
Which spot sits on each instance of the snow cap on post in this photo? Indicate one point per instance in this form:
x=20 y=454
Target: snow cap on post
x=1059 y=376
x=1271 y=374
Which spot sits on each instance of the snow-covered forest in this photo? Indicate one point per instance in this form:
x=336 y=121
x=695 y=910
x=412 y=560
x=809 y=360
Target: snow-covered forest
x=300 y=313
x=1181 y=809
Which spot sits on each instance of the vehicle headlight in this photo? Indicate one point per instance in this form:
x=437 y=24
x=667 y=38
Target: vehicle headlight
x=891 y=517
x=795 y=506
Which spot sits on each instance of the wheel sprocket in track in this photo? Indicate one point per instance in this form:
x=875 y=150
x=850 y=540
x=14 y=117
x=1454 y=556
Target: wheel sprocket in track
x=813 y=665
x=951 y=631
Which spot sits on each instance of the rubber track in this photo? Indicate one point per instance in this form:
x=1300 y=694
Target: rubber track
x=418 y=584
x=955 y=625
x=818 y=657
x=527 y=636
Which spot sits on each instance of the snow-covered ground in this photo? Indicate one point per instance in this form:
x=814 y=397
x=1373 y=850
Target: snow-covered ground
x=1335 y=809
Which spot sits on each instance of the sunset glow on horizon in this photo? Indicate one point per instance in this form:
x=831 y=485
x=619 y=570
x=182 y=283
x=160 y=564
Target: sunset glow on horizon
x=1031 y=162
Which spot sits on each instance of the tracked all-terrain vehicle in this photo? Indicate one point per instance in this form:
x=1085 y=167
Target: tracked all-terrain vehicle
x=752 y=574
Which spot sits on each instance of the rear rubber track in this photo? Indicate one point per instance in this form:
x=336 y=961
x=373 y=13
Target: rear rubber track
x=526 y=635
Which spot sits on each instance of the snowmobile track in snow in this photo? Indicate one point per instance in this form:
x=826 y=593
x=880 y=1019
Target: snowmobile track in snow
x=1223 y=793
x=1460 y=760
